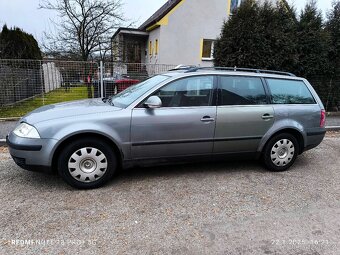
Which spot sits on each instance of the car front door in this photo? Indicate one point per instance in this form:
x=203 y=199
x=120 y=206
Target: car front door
x=243 y=115
x=183 y=126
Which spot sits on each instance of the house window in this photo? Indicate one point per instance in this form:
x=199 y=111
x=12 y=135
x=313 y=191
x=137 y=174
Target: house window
x=156 y=47
x=234 y=5
x=150 y=48
x=208 y=49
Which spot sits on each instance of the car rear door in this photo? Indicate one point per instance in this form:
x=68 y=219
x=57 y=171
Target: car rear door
x=183 y=126
x=243 y=115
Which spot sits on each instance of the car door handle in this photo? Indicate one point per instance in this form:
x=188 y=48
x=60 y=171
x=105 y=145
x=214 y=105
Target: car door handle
x=267 y=116
x=207 y=119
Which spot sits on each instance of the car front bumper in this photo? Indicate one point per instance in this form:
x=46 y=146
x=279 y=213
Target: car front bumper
x=31 y=154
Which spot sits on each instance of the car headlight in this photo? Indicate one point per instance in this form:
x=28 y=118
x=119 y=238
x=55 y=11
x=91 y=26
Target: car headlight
x=26 y=130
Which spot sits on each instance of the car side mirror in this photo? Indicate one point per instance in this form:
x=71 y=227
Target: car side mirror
x=153 y=102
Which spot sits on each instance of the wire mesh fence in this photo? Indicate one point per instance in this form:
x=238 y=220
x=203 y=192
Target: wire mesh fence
x=28 y=84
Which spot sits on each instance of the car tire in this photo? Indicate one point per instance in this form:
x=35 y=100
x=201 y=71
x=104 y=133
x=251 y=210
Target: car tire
x=280 y=152
x=87 y=163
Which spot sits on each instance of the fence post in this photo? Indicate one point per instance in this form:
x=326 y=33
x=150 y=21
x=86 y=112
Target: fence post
x=42 y=81
x=101 y=79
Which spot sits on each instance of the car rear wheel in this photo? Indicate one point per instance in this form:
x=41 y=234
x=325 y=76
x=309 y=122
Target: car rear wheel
x=280 y=152
x=87 y=163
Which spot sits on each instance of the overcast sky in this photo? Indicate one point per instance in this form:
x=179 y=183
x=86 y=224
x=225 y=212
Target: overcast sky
x=26 y=14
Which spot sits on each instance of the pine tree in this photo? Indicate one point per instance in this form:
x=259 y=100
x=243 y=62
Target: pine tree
x=285 y=38
x=259 y=36
x=16 y=44
x=333 y=29
x=237 y=45
x=313 y=42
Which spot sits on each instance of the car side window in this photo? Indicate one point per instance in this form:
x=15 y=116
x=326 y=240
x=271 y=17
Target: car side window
x=238 y=90
x=289 y=92
x=191 y=91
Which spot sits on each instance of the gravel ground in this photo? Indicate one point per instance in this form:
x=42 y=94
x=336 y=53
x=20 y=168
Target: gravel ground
x=219 y=208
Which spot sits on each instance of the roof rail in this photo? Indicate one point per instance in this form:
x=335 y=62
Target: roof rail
x=183 y=67
x=236 y=69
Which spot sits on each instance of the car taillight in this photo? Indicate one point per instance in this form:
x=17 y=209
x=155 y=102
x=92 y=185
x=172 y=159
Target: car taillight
x=323 y=118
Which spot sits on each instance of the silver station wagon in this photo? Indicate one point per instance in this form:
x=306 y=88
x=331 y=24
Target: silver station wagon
x=185 y=114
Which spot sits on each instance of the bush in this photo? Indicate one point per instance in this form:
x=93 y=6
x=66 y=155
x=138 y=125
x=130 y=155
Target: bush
x=16 y=44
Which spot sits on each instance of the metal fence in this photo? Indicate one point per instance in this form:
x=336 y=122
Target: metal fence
x=28 y=84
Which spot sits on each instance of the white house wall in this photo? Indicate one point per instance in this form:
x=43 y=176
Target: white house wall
x=180 y=40
x=156 y=58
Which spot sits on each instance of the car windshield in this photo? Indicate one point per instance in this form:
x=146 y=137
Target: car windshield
x=129 y=95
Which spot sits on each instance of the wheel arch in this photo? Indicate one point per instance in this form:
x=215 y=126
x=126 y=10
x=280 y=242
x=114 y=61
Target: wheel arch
x=77 y=136
x=293 y=131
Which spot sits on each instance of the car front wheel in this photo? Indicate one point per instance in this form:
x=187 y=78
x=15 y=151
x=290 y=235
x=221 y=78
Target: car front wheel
x=87 y=163
x=280 y=152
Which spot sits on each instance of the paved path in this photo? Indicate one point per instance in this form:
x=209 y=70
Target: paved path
x=333 y=121
x=7 y=126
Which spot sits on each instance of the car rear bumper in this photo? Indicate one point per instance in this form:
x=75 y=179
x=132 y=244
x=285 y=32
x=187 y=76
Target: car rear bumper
x=31 y=154
x=314 y=139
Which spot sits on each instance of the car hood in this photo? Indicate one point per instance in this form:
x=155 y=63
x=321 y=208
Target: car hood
x=68 y=109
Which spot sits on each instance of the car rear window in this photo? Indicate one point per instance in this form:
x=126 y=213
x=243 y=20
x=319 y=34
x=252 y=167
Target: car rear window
x=289 y=92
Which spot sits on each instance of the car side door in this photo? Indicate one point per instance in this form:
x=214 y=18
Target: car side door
x=243 y=114
x=183 y=126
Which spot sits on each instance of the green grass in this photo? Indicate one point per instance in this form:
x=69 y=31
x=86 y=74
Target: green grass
x=55 y=96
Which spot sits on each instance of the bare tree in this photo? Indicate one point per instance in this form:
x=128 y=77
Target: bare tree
x=85 y=26
x=84 y=29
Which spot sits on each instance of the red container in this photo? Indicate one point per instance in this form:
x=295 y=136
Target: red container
x=124 y=84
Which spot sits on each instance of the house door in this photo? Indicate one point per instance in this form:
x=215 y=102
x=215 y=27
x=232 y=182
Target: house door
x=133 y=52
